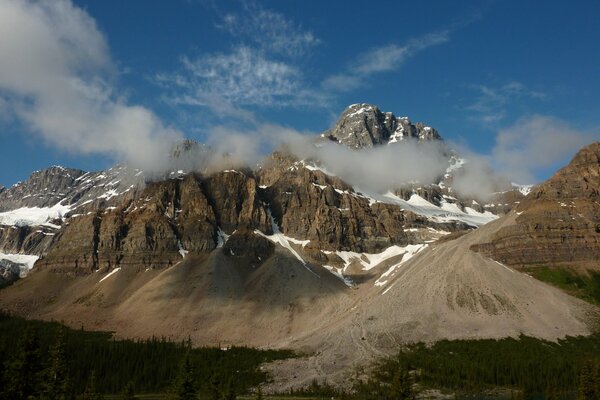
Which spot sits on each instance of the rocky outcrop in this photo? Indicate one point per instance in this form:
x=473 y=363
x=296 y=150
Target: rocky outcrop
x=9 y=272
x=26 y=239
x=558 y=222
x=365 y=125
x=167 y=220
x=310 y=205
x=76 y=190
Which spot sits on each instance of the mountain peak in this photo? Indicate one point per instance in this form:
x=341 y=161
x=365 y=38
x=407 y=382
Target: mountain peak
x=365 y=125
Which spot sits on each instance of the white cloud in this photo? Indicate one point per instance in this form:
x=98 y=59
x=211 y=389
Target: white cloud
x=244 y=76
x=55 y=75
x=225 y=82
x=269 y=30
x=535 y=143
x=381 y=59
x=378 y=168
x=490 y=104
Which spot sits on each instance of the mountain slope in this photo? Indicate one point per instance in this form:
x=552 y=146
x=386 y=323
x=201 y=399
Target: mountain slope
x=289 y=255
x=558 y=224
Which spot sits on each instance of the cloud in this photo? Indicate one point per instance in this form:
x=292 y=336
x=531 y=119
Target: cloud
x=260 y=69
x=536 y=143
x=476 y=179
x=56 y=76
x=491 y=102
x=381 y=59
x=270 y=31
x=375 y=169
x=244 y=76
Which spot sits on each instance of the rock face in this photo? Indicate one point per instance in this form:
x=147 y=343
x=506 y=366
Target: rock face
x=72 y=187
x=9 y=272
x=167 y=220
x=365 y=125
x=79 y=222
x=558 y=222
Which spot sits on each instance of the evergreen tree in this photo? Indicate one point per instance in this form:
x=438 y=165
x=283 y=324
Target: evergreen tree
x=229 y=392
x=57 y=375
x=128 y=392
x=23 y=373
x=401 y=386
x=597 y=378
x=587 y=385
x=214 y=389
x=91 y=390
x=3 y=383
x=185 y=388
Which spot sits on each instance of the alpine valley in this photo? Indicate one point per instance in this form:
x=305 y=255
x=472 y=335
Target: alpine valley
x=289 y=255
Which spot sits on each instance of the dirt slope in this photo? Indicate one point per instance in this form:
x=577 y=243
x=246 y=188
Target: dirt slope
x=446 y=291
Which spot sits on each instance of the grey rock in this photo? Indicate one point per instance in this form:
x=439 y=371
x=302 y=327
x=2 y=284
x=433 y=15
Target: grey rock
x=9 y=272
x=365 y=125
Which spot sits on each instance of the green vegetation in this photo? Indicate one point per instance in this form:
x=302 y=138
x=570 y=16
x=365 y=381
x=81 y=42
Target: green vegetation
x=584 y=287
x=533 y=368
x=45 y=360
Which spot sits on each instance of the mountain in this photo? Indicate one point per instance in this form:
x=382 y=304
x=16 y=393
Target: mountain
x=284 y=255
x=365 y=125
x=558 y=224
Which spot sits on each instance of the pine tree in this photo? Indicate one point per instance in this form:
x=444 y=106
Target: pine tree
x=597 y=378
x=128 y=392
x=91 y=390
x=587 y=388
x=57 y=375
x=23 y=373
x=401 y=386
x=185 y=388
x=229 y=392
x=214 y=389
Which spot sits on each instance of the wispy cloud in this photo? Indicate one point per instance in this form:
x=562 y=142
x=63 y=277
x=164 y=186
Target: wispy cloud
x=381 y=59
x=269 y=30
x=259 y=70
x=491 y=102
x=244 y=76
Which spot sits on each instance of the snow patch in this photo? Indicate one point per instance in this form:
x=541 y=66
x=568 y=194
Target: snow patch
x=524 y=189
x=34 y=216
x=222 y=238
x=339 y=273
x=25 y=261
x=411 y=251
x=114 y=271
x=279 y=238
x=182 y=251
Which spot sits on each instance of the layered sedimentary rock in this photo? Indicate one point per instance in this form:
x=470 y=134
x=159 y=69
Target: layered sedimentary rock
x=558 y=222
x=79 y=222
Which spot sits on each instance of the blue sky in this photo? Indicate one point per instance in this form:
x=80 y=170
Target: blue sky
x=515 y=82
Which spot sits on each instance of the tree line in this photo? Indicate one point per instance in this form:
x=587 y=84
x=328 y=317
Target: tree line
x=45 y=360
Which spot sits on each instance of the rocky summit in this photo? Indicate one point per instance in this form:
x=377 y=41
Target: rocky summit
x=289 y=255
x=365 y=125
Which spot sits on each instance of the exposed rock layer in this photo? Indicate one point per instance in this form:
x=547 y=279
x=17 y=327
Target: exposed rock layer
x=558 y=222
